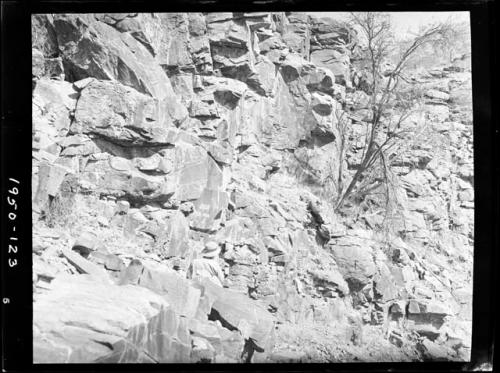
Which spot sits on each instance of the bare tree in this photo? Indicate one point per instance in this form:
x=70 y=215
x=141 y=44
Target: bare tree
x=389 y=105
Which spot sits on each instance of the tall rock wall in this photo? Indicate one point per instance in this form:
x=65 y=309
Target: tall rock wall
x=154 y=134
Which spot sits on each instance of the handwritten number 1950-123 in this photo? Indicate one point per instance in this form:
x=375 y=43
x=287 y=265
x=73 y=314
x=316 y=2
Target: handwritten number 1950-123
x=12 y=215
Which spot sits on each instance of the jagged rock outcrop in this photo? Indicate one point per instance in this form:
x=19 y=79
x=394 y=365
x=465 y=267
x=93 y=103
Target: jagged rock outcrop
x=155 y=134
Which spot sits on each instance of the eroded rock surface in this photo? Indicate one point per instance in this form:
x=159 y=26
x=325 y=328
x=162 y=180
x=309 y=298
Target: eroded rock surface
x=155 y=134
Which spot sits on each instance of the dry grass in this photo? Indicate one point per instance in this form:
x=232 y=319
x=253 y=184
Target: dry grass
x=315 y=343
x=60 y=211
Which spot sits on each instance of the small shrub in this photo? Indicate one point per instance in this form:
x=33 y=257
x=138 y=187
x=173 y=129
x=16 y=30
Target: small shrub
x=59 y=210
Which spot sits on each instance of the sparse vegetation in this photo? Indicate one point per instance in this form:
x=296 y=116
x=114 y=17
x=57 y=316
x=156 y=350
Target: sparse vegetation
x=60 y=211
x=392 y=100
x=158 y=174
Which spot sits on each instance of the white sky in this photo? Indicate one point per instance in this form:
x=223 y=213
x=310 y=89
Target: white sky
x=404 y=22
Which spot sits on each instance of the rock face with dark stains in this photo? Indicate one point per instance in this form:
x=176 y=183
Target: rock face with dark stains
x=156 y=134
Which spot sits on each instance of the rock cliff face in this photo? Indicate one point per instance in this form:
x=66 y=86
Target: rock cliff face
x=154 y=134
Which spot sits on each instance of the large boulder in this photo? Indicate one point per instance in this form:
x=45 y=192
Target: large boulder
x=226 y=92
x=123 y=115
x=437 y=95
x=163 y=339
x=428 y=312
x=237 y=311
x=178 y=292
x=91 y=48
x=336 y=62
x=354 y=256
x=118 y=177
x=79 y=318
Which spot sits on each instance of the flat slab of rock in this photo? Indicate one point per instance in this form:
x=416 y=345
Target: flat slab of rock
x=178 y=292
x=78 y=317
x=86 y=267
x=241 y=313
